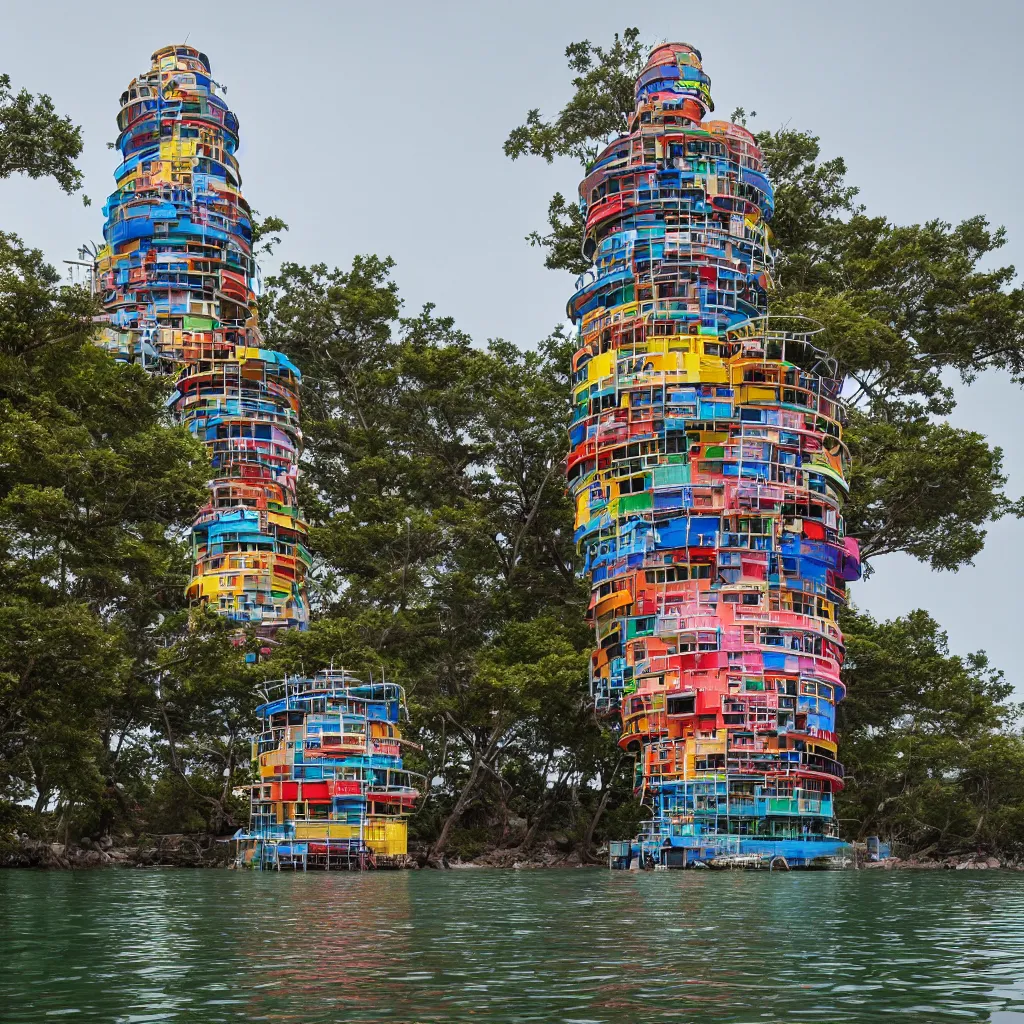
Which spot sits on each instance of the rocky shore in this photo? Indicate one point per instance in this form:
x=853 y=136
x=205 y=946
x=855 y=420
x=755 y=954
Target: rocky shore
x=965 y=862
x=204 y=851
x=177 y=851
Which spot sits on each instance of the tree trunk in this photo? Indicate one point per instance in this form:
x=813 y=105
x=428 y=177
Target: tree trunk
x=527 y=841
x=456 y=813
x=42 y=785
x=218 y=815
x=479 y=761
x=602 y=805
x=542 y=813
x=42 y=800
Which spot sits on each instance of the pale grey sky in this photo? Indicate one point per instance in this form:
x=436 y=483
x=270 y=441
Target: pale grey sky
x=377 y=127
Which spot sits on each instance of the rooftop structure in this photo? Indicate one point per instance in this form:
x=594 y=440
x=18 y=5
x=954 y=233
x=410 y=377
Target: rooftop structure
x=709 y=473
x=178 y=282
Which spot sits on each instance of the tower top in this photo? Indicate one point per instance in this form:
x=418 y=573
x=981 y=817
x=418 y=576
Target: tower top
x=673 y=74
x=183 y=56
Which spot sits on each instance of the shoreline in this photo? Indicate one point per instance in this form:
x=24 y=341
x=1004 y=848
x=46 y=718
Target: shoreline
x=210 y=853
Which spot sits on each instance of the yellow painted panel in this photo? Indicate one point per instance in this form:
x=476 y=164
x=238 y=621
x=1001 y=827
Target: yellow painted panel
x=390 y=838
x=600 y=366
x=328 y=830
x=755 y=394
x=582 y=507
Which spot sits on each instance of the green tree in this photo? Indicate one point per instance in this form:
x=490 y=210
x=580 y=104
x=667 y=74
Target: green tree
x=932 y=756
x=440 y=527
x=202 y=709
x=266 y=233
x=96 y=491
x=36 y=140
x=598 y=110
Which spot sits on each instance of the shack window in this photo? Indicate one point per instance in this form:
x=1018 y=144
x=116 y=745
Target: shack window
x=682 y=705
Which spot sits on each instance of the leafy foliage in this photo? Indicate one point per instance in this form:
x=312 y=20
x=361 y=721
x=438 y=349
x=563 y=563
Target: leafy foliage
x=922 y=487
x=95 y=492
x=266 y=233
x=562 y=240
x=904 y=309
x=441 y=529
x=35 y=139
x=932 y=759
x=602 y=101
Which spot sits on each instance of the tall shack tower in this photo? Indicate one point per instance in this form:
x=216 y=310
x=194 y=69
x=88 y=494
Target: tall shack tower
x=178 y=282
x=709 y=474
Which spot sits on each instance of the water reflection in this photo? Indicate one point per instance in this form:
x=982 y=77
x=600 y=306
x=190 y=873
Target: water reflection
x=325 y=942
x=571 y=946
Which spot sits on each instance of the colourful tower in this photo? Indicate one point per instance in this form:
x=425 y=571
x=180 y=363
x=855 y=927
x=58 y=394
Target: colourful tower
x=709 y=473
x=332 y=793
x=178 y=282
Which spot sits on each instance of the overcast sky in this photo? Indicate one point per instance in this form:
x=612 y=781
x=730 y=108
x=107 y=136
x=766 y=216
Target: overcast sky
x=377 y=127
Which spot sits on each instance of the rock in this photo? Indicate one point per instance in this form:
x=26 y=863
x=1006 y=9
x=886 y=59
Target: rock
x=105 y=842
x=963 y=865
x=85 y=842
x=993 y=863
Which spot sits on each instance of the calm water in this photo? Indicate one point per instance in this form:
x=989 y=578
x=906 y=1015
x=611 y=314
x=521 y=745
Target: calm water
x=573 y=946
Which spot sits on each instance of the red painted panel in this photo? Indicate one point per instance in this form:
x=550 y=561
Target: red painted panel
x=347 y=788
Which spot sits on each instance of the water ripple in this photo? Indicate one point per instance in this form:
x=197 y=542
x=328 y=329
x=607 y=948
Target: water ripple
x=580 y=947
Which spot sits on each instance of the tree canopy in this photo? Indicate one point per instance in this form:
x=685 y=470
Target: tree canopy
x=96 y=490
x=36 y=140
x=441 y=529
x=442 y=532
